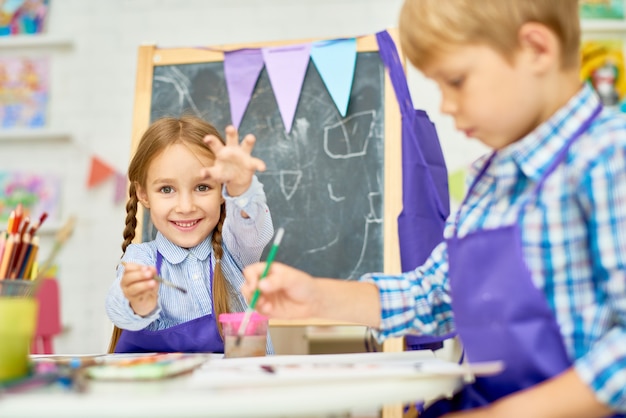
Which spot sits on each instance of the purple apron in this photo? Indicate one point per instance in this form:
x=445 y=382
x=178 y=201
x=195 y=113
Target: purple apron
x=425 y=197
x=498 y=311
x=199 y=335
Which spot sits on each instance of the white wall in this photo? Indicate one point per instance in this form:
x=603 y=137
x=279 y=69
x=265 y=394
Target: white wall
x=92 y=97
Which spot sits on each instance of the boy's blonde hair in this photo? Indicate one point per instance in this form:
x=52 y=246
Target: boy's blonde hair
x=429 y=28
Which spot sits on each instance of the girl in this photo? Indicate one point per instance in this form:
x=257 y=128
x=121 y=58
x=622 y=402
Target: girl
x=211 y=219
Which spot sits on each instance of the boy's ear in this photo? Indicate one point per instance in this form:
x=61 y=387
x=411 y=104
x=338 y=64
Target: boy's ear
x=142 y=195
x=540 y=46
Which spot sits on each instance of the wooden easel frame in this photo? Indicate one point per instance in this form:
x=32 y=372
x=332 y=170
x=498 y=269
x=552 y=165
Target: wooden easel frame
x=150 y=57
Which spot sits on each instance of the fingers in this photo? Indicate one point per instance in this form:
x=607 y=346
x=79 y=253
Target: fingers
x=214 y=143
x=138 y=279
x=257 y=164
x=252 y=273
x=274 y=281
x=232 y=136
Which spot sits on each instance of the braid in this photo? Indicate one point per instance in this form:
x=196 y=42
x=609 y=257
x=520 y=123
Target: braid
x=129 y=235
x=220 y=284
x=131 y=217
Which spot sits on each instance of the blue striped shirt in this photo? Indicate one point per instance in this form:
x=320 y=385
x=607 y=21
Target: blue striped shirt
x=573 y=238
x=243 y=242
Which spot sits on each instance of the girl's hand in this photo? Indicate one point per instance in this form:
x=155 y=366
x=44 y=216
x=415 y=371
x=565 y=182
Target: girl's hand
x=286 y=292
x=234 y=164
x=140 y=288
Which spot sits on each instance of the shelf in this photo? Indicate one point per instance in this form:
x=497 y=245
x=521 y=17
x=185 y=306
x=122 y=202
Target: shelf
x=336 y=333
x=34 y=135
x=603 y=25
x=34 y=41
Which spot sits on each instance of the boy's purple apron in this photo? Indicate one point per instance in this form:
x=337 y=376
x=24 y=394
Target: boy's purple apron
x=425 y=198
x=498 y=311
x=199 y=335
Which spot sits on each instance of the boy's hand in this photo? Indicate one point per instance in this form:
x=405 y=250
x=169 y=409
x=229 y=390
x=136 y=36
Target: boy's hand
x=140 y=288
x=234 y=165
x=286 y=292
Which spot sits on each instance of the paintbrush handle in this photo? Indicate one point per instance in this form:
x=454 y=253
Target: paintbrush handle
x=257 y=292
x=170 y=284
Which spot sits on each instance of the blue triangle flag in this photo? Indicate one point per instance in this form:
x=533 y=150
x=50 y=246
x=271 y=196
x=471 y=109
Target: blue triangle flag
x=335 y=61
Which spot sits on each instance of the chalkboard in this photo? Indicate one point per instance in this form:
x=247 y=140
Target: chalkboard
x=333 y=182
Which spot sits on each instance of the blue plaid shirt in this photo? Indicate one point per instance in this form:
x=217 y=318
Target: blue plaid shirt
x=243 y=242
x=573 y=238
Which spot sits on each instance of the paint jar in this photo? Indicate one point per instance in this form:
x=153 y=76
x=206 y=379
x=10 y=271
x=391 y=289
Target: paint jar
x=18 y=319
x=253 y=341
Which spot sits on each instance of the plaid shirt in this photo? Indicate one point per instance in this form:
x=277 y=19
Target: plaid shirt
x=243 y=243
x=573 y=239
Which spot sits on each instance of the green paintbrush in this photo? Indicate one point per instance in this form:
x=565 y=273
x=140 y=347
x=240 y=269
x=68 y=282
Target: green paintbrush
x=257 y=292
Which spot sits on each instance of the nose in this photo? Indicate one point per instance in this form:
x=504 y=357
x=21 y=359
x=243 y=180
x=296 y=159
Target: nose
x=186 y=203
x=448 y=105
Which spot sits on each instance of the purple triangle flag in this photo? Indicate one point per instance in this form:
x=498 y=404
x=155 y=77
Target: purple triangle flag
x=241 y=70
x=335 y=61
x=121 y=185
x=286 y=67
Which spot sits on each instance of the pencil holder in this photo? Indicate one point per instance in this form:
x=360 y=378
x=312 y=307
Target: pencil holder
x=18 y=288
x=18 y=318
x=252 y=343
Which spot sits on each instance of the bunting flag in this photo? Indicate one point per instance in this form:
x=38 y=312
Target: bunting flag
x=120 y=188
x=335 y=61
x=241 y=70
x=286 y=67
x=99 y=171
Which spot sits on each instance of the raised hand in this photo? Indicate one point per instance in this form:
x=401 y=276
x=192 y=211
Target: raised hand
x=234 y=164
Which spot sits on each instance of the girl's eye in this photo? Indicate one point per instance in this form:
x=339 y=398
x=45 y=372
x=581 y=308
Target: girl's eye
x=456 y=82
x=166 y=189
x=203 y=187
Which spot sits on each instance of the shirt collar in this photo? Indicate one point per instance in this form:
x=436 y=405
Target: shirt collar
x=535 y=152
x=175 y=254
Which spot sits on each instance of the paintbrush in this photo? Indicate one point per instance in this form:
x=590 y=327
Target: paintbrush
x=60 y=238
x=257 y=292
x=170 y=284
x=164 y=282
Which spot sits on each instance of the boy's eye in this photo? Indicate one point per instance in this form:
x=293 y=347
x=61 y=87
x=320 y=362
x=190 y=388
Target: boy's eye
x=166 y=189
x=203 y=187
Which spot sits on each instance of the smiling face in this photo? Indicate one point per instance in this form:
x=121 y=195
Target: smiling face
x=183 y=207
x=490 y=98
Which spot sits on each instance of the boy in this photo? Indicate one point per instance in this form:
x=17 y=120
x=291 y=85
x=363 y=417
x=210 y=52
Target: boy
x=532 y=268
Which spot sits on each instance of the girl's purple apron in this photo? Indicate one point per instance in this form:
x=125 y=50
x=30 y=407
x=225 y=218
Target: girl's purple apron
x=498 y=311
x=199 y=335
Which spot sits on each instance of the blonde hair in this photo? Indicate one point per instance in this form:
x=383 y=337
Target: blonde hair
x=429 y=28
x=166 y=131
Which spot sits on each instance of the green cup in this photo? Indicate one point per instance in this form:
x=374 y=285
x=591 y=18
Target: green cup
x=18 y=319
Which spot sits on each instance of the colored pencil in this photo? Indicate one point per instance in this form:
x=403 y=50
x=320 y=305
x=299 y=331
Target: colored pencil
x=6 y=270
x=11 y=222
x=18 y=249
x=6 y=257
x=19 y=213
x=27 y=274
x=3 y=243
x=23 y=228
x=19 y=261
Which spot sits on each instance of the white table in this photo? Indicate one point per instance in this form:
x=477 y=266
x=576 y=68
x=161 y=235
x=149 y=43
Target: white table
x=210 y=392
